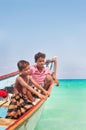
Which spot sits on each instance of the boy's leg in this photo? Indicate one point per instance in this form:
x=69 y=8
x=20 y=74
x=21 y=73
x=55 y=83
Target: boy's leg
x=30 y=96
x=28 y=93
x=55 y=80
x=48 y=81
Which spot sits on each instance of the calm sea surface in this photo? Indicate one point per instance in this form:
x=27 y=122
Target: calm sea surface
x=66 y=107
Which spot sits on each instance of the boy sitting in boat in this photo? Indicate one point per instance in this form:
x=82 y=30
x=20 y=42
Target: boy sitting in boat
x=42 y=74
x=22 y=98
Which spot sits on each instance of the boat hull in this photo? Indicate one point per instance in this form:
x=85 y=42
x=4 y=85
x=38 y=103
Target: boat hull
x=27 y=121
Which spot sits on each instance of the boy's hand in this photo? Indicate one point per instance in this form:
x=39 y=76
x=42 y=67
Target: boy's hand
x=47 y=93
x=51 y=60
x=54 y=58
x=42 y=96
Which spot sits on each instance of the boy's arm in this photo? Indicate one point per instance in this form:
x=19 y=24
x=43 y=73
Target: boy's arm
x=50 y=88
x=39 y=86
x=54 y=59
x=24 y=84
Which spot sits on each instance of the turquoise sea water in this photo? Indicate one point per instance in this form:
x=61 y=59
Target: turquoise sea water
x=66 y=107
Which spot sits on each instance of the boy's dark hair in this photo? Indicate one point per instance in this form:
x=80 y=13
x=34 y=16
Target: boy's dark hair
x=38 y=55
x=22 y=64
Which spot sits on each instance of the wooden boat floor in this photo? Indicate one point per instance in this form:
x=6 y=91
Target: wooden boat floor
x=6 y=122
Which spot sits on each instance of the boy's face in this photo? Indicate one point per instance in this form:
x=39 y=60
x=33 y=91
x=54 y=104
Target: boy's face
x=40 y=62
x=26 y=70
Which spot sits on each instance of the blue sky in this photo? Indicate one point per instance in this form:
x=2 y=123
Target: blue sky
x=54 y=27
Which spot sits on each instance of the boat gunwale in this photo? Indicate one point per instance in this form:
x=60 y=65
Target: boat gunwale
x=9 y=75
